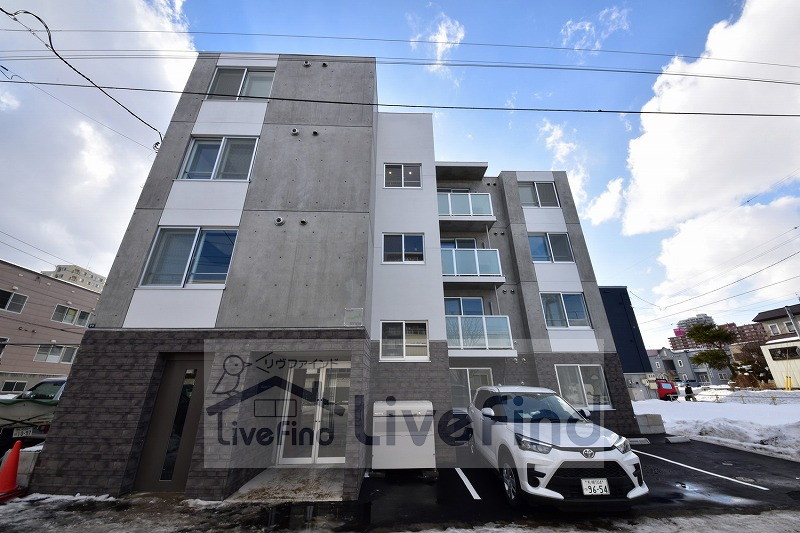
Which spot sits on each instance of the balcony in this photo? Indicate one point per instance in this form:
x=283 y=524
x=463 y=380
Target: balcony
x=461 y=211
x=480 y=268
x=479 y=336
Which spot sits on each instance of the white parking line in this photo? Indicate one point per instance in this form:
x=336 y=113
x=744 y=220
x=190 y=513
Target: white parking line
x=638 y=452
x=470 y=488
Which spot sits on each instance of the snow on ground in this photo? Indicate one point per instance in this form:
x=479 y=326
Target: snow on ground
x=766 y=422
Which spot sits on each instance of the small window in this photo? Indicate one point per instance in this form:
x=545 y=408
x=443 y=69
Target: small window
x=680 y=363
x=722 y=376
x=463 y=306
x=13 y=386
x=221 y=158
x=550 y=247
x=12 y=301
x=658 y=365
x=773 y=329
x=403 y=248
x=189 y=255
x=685 y=377
x=241 y=84
x=538 y=194
x=402 y=176
x=70 y=315
x=404 y=340
x=583 y=385
x=789 y=326
x=565 y=310
x=458 y=243
x=53 y=353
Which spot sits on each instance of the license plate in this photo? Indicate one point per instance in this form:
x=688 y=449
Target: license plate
x=595 y=487
x=22 y=432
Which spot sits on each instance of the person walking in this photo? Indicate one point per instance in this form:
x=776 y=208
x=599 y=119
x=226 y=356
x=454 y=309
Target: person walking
x=689 y=394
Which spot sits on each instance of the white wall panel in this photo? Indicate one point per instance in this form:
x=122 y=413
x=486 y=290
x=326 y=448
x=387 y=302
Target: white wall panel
x=173 y=308
x=573 y=340
x=243 y=60
x=229 y=117
x=204 y=203
x=557 y=274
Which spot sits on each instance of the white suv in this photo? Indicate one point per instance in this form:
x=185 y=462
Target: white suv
x=544 y=448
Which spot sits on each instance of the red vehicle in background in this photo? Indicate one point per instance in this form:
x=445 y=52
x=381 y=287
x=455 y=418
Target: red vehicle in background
x=667 y=390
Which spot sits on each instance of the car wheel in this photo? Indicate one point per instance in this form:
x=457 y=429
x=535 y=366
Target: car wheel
x=508 y=472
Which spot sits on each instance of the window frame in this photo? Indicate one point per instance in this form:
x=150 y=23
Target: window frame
x=461 y=305
x=776 y=330
x=61 y=352
x=12 y=294
x=75 y=317
x=680 y=363
x=549 y=244
x=14 y=386
x=214 y=171
x=592 y=407
x=242 y=81
x=564 y=310
x=789 y=327
x=185 y=284
x=403 y=175
x=472 y=393
x=403 y=249
x=534 y=185
x=404 y=357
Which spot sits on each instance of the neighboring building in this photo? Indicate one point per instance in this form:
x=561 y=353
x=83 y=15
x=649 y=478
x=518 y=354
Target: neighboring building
x=318 y=259
x=42 y=321
x=744 y=333
x=79 y=276
x=628 y=341
x=782 y=350
x=677 y=365
x=700 y=318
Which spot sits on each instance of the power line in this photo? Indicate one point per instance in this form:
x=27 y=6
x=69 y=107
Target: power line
x=425 y=41
x=28 y=253
x=430 y=106
x=733 y=282
x=54 y=97
x=449 y=63
x=51 y=46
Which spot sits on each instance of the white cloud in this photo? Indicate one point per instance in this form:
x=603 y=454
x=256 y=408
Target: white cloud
x=685 y=166
x=566 y=156
x=511 y=103
x=8 y=102
x=444 y=34
x=590 y=35
x=76 y=182
x=606 y=206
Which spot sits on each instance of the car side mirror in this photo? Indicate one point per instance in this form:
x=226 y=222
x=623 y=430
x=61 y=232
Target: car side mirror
x=488 y=412
x=585 y=413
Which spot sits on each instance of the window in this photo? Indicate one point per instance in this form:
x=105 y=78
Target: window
x=241 y=84
x=53 y=353
x=404 y=340
x=219 y=158
x=13 y=386
x=539 y=194
x=773 y=329
x=3 y=343
x=565 y=310
x=583 y=385
x=70 y=315
x=464 y=382
x=658 y=365
x=685 y=377
x=722 y=376
x=402 y=248
x=189 y=255
x=550 y=247
x=680 y=363
x=782 y=354
x=405 y=176
x=12 y=301
x=789 y=326
x=458 y=243
x=463 y=306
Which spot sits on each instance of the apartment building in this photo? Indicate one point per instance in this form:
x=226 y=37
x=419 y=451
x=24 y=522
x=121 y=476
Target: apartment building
x=42 y=321
x=79 y=276
x=782 y=347
x=291 y=262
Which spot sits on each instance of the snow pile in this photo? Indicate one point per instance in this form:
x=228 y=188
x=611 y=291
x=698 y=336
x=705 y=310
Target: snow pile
x=761 y=427
x=748 y=396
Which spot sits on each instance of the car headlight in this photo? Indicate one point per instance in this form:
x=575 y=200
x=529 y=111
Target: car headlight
x=529 y=445
x=623 y=445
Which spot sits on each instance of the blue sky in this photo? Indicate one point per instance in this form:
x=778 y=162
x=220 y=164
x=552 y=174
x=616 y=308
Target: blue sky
x=672 y=206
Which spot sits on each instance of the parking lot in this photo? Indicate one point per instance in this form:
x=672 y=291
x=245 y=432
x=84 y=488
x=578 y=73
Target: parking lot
x=684 y=479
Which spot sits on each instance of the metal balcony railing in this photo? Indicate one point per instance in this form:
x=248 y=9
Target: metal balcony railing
x=476 y=332
x=470 y=262
x=465 y=204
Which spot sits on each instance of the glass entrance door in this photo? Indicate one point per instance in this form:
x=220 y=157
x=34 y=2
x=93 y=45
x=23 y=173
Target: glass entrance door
x=314 y=423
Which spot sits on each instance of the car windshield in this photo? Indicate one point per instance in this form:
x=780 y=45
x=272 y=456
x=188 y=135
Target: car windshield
x=538 y=407
x=43 y=391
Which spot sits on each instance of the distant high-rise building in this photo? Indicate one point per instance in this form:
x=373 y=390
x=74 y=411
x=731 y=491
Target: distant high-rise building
x=79 y=276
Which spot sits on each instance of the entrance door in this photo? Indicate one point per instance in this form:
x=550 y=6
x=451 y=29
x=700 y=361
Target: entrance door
x=167 y=452
x=314 y=428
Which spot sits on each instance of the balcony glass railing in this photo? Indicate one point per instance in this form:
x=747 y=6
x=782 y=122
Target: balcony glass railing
x=465 y=204
x=470 y=262
x=476 y=332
